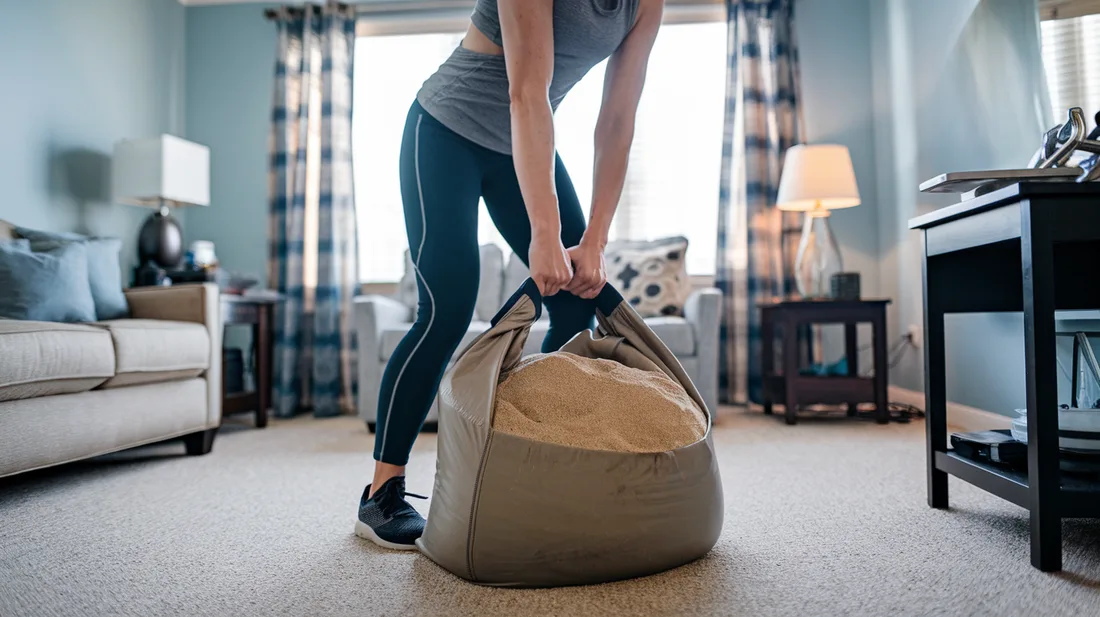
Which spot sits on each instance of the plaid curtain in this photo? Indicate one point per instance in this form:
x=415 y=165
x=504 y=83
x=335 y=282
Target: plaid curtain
x=312 y=259
x=757 y=242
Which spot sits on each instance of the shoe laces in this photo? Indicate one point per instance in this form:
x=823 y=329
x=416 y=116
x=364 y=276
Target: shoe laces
x=393 y=502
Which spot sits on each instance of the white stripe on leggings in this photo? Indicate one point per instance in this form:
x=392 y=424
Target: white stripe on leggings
x=416 y=269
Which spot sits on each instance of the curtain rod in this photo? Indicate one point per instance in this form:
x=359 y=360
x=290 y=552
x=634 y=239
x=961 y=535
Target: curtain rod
x=389 y=7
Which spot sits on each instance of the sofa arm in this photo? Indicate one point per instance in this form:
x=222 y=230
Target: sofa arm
x=373 y=315
x=195 y=303
x=703 y=310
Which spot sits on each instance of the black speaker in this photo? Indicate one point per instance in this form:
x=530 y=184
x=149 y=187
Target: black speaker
x=845 y=286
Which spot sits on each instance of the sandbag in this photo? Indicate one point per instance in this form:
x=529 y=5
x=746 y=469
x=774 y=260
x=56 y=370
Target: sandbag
x=526 y=510
x=597 y=404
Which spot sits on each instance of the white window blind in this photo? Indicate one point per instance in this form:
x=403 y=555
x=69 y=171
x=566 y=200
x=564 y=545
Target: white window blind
x=672 y=180
x=1071 y=59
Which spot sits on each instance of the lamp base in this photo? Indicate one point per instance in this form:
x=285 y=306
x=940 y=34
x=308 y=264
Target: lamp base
x=161 y=240
x=818 y=258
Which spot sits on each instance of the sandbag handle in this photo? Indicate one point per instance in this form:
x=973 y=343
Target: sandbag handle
x=607 y=300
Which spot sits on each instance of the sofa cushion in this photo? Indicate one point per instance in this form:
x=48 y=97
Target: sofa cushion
x=153 y=350
x=47 y=358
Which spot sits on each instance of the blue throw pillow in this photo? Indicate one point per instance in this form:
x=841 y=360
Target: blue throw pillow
x=104 y=272
x=46 y=286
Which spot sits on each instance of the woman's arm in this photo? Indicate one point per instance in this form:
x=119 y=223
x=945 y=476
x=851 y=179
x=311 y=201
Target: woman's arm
x=527 y=30
x=623 y=82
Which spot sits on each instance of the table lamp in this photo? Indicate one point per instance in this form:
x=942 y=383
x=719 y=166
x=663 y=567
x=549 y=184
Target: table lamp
x=815 y=180
x=157 y=173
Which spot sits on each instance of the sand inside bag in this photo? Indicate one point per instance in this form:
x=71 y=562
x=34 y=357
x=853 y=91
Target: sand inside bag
x=596 y=404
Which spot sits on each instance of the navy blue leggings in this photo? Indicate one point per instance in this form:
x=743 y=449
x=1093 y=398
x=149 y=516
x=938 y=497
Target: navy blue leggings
x=443 y=176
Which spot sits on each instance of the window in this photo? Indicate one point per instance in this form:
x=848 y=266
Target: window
x=672 y=181
x=1071 y=59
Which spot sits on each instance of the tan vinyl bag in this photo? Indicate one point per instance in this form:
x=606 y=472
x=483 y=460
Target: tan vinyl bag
x=509 y=511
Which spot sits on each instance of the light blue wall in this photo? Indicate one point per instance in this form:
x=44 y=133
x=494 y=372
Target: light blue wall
x=835 y=51
x=958 y=85
x=230 y=68
x=76 y=78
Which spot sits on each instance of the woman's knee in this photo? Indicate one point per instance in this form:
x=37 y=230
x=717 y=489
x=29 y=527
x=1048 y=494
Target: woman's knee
x=444 y=317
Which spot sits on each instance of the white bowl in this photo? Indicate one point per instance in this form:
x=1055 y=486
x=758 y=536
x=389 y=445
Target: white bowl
x=1078 y=429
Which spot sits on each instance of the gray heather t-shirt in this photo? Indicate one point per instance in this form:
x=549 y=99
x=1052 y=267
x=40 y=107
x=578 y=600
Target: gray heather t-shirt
x=469 y=92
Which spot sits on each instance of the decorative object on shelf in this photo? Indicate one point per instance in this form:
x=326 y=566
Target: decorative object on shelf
x=150 y=274
x=1066 y=154
x=817 y=179
x=998 y=447
x=845 y=286
x=157 y=173
x=235 y=284
x=202 y=255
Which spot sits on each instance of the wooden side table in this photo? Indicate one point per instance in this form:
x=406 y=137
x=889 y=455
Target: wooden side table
x=1029 y=248
x=260 y=314
x=790 y=388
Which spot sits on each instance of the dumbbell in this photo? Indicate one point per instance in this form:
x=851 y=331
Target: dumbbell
x=1060 y=142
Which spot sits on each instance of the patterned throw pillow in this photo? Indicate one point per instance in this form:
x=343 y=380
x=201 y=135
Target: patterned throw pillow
x=651 y=275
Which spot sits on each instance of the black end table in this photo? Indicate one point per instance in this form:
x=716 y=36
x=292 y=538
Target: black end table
x=1032 y=248
x=791 y=388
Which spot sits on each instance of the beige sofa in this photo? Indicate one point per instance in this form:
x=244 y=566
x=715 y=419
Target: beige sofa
x=73 y=391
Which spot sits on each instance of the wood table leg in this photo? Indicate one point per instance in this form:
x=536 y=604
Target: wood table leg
x=790 y=366
x=935 y=383
x=261 y=334
x=1044 y=476
x=767 y=357
x=878 y=336
x=851 y=356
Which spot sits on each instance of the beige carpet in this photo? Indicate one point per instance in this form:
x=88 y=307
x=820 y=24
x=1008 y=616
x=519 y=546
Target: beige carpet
x=825 y=518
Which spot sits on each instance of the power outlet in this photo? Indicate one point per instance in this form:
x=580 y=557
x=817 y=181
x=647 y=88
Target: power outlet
x=913 y=333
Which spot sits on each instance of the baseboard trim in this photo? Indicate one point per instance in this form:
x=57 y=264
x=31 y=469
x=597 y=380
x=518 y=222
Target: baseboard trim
x=959 y=417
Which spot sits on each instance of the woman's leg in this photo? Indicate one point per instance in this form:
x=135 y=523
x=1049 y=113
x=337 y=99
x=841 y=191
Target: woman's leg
x=569 y=314
x=440 y=188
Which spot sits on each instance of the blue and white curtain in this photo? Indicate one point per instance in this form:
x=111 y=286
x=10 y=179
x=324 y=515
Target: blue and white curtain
x=757 y=242
x=312 y=232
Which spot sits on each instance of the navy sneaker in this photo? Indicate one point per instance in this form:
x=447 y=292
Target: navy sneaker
x=387 y=519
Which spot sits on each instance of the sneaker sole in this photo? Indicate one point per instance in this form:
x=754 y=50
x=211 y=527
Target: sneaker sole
x=364 y=531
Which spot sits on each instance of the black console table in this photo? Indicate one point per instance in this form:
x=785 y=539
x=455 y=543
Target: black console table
x=1031 y=248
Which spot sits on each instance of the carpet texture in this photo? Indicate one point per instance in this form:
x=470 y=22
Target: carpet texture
x=824 y=518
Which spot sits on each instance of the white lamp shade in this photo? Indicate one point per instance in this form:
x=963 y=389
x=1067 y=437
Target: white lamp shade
x=817 y=177
x=147 y=172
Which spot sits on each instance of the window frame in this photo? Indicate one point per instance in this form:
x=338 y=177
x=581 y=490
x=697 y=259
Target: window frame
x=1067 y=9
x=396 y=18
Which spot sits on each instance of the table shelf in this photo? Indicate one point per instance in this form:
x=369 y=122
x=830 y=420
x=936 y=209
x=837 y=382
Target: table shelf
x=1079 y=498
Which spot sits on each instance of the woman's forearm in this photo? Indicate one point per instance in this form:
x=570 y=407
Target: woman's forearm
x=533 y=155
x=613 y=139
